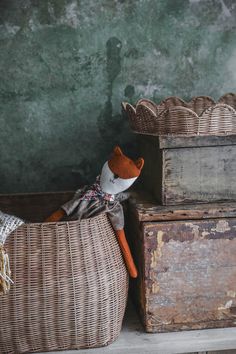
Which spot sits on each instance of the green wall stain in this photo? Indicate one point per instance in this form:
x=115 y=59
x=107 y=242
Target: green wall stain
x=65 y=67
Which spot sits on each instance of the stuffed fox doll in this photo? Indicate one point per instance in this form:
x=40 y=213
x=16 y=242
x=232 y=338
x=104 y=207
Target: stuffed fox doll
x=117 y=175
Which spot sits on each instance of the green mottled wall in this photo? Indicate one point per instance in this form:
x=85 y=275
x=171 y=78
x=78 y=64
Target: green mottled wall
x=65 y=66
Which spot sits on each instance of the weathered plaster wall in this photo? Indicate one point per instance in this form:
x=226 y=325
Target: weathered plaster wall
x=65 y=66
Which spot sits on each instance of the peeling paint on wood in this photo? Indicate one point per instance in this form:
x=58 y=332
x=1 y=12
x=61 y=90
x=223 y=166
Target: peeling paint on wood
x=231 y=293
x=222 y=226
x=187 y=272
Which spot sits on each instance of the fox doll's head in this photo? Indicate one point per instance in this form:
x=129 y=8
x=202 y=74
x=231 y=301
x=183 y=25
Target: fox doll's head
x=119 y=173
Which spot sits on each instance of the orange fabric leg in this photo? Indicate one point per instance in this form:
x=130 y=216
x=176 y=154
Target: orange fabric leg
x=126 y=253
x=56 y=216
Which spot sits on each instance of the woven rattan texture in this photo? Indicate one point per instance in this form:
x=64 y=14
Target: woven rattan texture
x=173 y=116
x=70 y=287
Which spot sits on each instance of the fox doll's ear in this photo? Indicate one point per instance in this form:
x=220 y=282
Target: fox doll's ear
x=117 y=151
x=139 y=163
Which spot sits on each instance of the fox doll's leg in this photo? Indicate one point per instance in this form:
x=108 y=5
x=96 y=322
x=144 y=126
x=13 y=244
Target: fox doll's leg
x=126 y=253
x=56 y=216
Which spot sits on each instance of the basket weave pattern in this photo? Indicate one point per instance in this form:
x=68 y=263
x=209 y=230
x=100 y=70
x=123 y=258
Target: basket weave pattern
x=201 y=116
x=70 y=287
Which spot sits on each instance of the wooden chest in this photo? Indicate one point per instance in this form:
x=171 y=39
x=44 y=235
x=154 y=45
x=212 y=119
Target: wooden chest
x=186 y=258
x=181 y=170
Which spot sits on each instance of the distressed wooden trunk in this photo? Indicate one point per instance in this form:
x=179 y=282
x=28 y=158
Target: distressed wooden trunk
x=181 y=170
x=186 y=258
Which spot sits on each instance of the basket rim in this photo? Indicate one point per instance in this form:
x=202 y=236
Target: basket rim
x=196 y=118
x=66 y=222
x=187 y=102
x=37 y=194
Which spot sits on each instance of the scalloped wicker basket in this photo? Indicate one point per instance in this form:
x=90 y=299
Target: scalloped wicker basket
x=173 y=116
x=70 y=280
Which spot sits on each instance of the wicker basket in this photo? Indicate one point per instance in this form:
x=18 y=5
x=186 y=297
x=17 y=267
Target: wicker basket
x=173 y=116
x=71 y=283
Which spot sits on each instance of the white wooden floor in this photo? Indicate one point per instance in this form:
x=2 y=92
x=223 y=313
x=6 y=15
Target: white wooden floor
x=133 y=340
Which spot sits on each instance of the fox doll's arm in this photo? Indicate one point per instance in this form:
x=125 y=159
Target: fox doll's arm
x=56 y=216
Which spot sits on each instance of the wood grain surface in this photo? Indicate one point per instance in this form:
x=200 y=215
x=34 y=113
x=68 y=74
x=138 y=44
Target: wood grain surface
x=189 y=170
